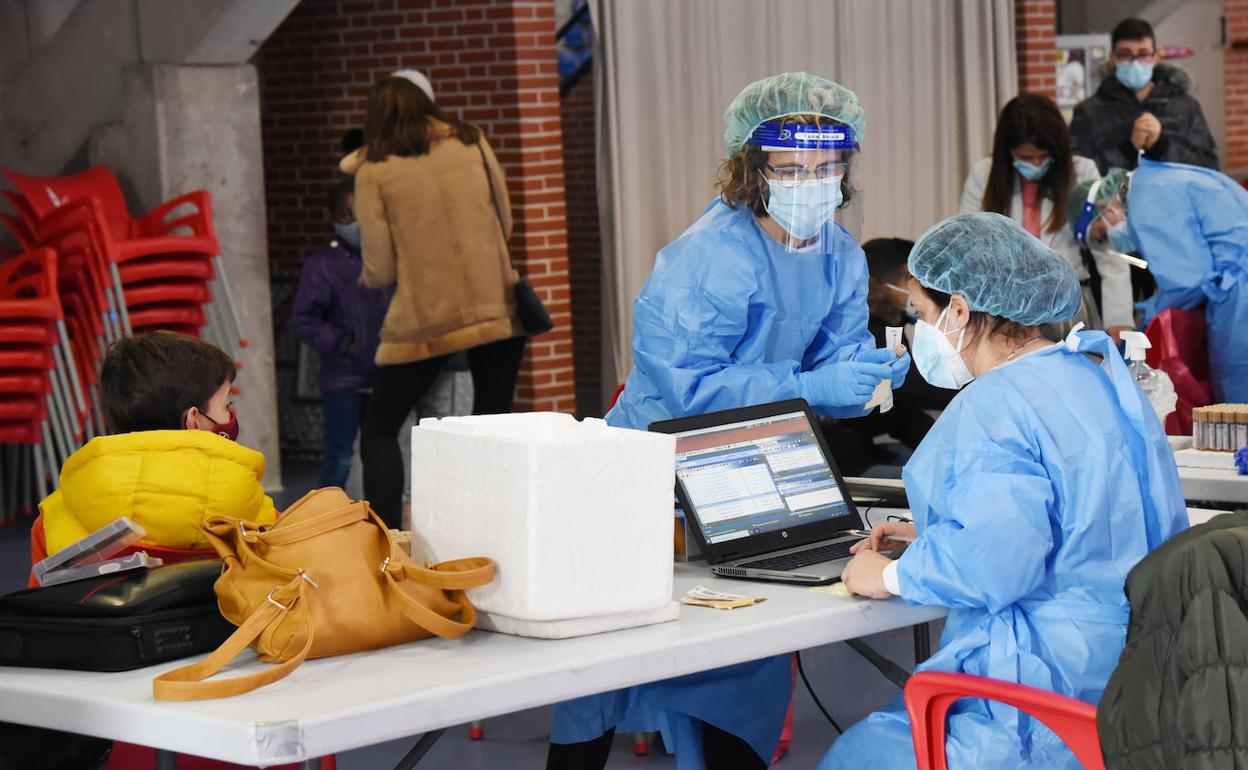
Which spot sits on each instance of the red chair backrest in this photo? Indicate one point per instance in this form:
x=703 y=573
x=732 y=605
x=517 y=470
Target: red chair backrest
x=31 y=275
x=929 y=694
x=46 y=194
x=616 y=396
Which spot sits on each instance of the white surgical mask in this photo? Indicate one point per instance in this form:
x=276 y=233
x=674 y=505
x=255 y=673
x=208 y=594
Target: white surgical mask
x=937 y=359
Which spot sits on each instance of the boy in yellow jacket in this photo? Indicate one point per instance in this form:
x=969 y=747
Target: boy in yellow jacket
x=171 y=462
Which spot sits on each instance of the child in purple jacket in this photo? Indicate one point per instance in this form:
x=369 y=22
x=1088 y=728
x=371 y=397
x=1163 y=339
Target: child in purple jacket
x=342 y=320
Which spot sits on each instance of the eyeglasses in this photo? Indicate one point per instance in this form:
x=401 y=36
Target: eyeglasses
x=792 y=176
x=1127 y=57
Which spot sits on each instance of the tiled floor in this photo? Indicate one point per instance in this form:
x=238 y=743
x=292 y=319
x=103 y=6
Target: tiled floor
x=848 y=687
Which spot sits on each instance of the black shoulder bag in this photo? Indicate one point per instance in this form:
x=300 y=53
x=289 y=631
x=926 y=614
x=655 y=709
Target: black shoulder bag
x=532 y=313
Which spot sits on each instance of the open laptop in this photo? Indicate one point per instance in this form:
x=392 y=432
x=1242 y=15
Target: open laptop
x=763 y=493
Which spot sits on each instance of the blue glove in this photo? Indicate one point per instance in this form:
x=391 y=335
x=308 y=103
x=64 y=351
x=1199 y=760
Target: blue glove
x=842 y=384
x=898 y=367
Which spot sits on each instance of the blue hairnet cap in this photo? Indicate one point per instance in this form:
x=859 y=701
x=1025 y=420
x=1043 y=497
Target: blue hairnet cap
x=1000 y=268
x=791 y=93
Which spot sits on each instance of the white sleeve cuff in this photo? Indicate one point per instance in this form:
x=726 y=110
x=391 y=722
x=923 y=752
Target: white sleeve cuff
x=891 y=581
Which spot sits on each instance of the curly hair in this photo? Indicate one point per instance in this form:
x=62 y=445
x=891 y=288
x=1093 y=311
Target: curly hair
x=742 y=181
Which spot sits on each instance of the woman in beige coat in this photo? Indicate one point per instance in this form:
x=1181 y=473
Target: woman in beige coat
x=434 y=219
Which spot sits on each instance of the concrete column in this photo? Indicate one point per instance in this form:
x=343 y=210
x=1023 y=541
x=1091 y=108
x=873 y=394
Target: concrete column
x=191 y=127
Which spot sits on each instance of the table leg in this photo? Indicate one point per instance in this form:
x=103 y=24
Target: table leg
x=419 y=750
x=166 y=760
x=922 y=643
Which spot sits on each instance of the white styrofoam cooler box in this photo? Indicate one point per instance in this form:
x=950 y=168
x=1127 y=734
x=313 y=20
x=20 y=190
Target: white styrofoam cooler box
x=577 y=516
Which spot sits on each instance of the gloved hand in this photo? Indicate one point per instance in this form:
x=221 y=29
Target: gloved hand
x=898 y=367
x=843 y=383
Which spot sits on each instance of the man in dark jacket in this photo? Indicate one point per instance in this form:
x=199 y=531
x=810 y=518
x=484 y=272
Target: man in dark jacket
x=342 y=320
x=1176 y=699
x=1141 y=104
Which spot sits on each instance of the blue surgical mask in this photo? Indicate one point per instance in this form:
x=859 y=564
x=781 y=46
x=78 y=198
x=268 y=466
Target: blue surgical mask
x=803 y=210
x=348 y=234
x=1135 y=75
x=936 y=358
x=1031 y=171
x=1120 y=238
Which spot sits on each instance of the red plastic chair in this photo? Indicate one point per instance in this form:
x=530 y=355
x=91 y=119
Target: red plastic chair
x=929 y=694
x=160 y=232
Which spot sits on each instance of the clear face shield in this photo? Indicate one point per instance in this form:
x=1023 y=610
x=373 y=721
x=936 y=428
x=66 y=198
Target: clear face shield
x=1102 y=222
x=807 y=170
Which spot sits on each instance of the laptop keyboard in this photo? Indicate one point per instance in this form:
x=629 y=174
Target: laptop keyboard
x=792 y=561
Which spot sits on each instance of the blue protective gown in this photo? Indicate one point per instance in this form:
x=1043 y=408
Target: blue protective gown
x=1035 y=493
x=727 y=318
x=1191 y=224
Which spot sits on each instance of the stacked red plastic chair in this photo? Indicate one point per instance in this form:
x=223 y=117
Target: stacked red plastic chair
x=162 y=270
x=45 y=410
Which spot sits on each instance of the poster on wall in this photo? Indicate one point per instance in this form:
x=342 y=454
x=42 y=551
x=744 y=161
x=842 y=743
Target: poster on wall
x=1080 y=59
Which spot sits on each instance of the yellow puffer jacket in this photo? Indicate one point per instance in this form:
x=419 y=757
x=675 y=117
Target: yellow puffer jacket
x=168 y=481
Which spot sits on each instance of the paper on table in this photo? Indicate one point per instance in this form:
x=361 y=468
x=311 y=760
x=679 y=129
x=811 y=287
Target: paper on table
x=836 y=589
x=701 y=596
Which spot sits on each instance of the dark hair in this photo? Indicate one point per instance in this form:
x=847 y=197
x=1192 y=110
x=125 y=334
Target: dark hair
x=1132 y=29
x=148 y=382
x=981 y=325
x=886 y=258
x=338 y=193
x=399 y=120
x=1031 y=119
x=742 y=183
x=352 y=140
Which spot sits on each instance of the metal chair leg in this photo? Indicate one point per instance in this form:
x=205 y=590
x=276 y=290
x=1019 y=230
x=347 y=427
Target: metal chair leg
x=60 y=387
x=228 y=295
x=52 y=479
x=39 y=484
x=67 y=352
x=119 y=295
x=58 y=429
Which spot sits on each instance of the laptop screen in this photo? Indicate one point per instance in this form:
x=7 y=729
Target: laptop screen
x=756 y=476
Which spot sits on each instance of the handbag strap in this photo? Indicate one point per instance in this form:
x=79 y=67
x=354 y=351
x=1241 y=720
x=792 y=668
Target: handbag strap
x=317 y=525
x=498 y=213
x=464 y=573
x=187 y=683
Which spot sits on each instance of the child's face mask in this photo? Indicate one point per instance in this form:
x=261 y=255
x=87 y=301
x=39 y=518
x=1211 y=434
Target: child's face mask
x=227 y=429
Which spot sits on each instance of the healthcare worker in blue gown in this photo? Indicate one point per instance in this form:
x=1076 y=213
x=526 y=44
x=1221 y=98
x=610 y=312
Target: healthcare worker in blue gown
x=1038 y=489
x=763 y=298
x=1191 y=225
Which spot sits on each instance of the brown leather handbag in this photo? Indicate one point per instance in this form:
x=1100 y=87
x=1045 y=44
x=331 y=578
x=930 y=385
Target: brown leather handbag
x=325 y=579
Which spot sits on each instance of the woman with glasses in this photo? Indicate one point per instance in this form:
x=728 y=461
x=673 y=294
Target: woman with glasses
x=1142 y=104
x=763 y=298
x=1028 y=178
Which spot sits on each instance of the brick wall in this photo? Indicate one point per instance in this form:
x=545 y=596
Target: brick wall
x=490 y=61
x=584 y=243
x=1235 y=72
x=1035 y=25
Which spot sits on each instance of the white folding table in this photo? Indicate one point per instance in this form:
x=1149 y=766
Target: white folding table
x=336 y=704
x=1216 y=485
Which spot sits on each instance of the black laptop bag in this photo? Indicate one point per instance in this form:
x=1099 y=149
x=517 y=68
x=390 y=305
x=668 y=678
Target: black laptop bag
x=115 y=622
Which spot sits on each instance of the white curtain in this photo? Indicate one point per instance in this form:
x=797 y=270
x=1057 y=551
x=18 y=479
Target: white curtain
x=931 y=76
